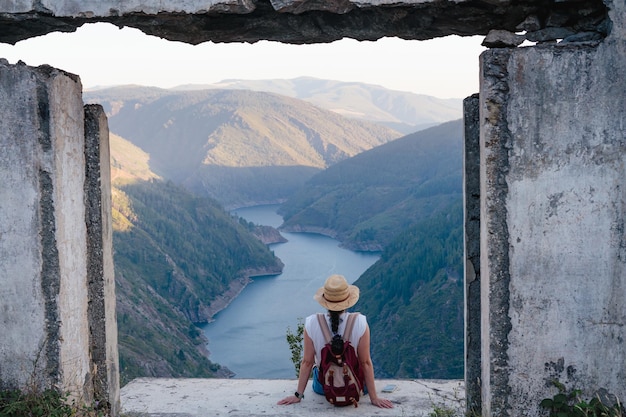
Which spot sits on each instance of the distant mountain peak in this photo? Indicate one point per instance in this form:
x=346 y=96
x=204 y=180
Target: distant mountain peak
x=219 y=142
x=404 y=111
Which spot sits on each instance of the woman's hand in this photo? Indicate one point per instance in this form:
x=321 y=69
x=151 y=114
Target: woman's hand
x=292 y=399
x=308 y=359
x=382 y=403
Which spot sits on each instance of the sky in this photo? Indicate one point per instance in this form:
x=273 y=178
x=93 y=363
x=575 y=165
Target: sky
x=104 y=55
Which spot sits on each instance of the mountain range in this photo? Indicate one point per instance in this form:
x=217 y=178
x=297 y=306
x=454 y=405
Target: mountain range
x=400 y=110
x=180 y=256
x=238 y=147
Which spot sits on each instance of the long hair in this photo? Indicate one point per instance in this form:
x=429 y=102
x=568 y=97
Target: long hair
x=334 y=320
x=337 y=342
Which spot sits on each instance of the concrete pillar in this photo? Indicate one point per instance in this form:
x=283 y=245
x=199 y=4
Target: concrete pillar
x=100 y=272
x=553 y=209
x=27 y=315
x=42 y=261
x=45 y=265
x=471 y=199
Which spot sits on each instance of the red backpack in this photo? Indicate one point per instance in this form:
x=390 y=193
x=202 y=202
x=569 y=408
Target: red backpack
x=340 y=372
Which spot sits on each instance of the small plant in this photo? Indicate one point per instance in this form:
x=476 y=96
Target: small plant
x=442 y=411
x=46 y=403
x=295 y=345
x=570 y=404
x=447 y=406
x=49 y=403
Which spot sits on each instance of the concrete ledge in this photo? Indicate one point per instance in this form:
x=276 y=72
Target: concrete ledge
x=170 y=397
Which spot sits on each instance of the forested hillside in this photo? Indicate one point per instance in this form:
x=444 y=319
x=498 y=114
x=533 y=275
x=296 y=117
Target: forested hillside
x=413 y=298
x=178 y=258
x=404 y=198
x=367 y=200
x=239 y=147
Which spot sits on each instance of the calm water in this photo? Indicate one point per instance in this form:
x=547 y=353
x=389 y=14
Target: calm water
x=248 y=336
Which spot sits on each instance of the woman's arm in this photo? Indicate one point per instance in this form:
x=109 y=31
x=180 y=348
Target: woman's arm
x=308 y=360
x=363 y=351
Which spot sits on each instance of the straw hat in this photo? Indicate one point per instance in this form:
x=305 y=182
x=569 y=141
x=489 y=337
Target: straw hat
x=336 y=294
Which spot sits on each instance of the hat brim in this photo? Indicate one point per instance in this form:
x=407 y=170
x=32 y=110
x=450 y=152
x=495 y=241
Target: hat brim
x=353 y=297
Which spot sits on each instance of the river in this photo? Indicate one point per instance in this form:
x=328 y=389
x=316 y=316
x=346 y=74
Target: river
x=248 y=337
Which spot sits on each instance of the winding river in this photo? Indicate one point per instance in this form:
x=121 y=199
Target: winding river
x=249 y=336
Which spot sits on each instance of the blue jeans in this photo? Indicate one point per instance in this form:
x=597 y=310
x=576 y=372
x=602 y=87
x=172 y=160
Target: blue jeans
x=317 y=385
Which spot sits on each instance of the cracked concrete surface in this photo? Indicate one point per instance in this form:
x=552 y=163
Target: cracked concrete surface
x=188 y=397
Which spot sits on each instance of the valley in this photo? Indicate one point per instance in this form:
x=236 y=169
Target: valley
x=183 y=159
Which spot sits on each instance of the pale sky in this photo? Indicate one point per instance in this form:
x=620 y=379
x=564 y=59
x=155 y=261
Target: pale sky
x=104 y=55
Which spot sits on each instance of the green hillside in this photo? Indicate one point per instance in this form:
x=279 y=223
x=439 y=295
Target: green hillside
x=179 y=257
x=176 y=256
x=404 y=198
x=413 y=298
x=367 y=200
x=239 y=147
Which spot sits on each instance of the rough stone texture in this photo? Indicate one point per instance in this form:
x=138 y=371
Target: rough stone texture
x=495 y=322
x=502 y=39
x=39 y=237
x=102 y=317
x=182 y=397
x=68 y=172
x=44 y=296
x=471 y=190
x=44 y=262
x=24 y=308
x=300 y=21
x=553 y=142
x=549 y=34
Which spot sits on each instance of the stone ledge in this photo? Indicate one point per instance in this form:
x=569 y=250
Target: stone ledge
x=180 y=397
x=299 y=21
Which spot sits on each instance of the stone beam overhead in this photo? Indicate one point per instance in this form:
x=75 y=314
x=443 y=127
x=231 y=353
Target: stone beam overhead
x=308 y=21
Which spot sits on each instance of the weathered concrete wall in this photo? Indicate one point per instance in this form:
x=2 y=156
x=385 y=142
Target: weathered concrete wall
x=65 y=109
x=46 y=311
x=303 y=21
x=25 y=202
x=43 y=246
x=553 y=207
x=101 y=279
x=471 y=200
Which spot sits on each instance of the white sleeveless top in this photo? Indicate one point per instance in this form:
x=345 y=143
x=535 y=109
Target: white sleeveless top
x=314 y=331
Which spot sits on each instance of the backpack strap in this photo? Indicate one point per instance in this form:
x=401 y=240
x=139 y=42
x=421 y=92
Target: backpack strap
x=347 y=333
x=324 y=326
